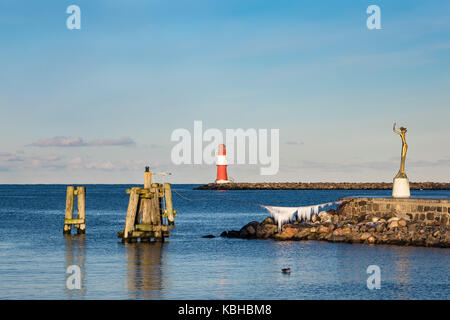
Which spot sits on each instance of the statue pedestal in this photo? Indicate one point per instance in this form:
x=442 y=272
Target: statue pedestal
x=400 y=188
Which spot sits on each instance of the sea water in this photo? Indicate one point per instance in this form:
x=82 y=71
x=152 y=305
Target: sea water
x=35 y=255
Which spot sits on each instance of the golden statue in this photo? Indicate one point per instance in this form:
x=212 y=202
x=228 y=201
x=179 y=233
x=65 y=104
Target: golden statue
x=401 y=173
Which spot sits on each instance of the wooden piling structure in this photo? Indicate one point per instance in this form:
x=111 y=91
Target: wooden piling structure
x=146 y=213
x=80 y=222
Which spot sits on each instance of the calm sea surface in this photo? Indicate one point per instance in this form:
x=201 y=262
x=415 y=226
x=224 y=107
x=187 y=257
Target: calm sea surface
x=34 y=254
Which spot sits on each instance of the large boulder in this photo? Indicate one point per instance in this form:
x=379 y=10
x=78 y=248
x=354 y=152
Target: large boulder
x=335 y=218
x=324 y=216
x=402 y=223
x=393 y=224
x=303 y=234
x=371 y=240
x=268 y=220
x=231 y=234
x=288 y=233
x=323 y=229
x=331 y=211
x=364 y=236
x=249 y=230
x=265 y=231
x=338 y=232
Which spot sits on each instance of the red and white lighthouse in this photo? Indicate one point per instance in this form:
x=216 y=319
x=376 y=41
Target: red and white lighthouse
x=222 y=164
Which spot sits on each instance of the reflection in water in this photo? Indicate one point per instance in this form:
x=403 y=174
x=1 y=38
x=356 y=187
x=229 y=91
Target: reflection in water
x=75 y=255
x=144 y=269
x=402 y=268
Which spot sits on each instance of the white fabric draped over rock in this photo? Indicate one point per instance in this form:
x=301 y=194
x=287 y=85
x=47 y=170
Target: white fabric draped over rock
x=282 y=215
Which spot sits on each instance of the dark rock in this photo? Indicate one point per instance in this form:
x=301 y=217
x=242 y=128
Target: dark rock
x=249 y=230
x=209 y=236
x=266 y=231
x=362 y=218
x=233 y=234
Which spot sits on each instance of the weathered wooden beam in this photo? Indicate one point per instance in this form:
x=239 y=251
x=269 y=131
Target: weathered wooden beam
x=81 y=201
x=150 y=227
x=69 y=209
x=156 y=212
x=74 y=221
x=137 y=190
x=142 y=234
x=143 y=193
x=169 y=206
x=147 y=179
x=131 y=213
x=146 y=211
x=136 y=234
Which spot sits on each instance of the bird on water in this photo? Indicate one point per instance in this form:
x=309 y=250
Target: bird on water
x=286 y=270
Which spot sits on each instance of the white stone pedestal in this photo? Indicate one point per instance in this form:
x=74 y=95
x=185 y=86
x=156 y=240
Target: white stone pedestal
x=400 y=188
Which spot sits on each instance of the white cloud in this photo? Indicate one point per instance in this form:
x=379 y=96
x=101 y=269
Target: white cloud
x=10 y=157
x=124 y=141
x=61 y=141
x=102 y=165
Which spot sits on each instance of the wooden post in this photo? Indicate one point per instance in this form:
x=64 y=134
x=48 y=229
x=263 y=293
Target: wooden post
x=146 y=215
x=147 y=178
x=146 y=203
x=146 y=211
x=151 y=208
x=169 y=206
x=81 y=199
x=131 y=213
x=156 y=212
x=69 y=208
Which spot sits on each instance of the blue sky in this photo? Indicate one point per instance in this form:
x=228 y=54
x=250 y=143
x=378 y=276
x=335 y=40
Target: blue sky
x=137 y=70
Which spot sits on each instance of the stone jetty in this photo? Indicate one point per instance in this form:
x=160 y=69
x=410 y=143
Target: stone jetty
x=320 y=186
x=367 y=221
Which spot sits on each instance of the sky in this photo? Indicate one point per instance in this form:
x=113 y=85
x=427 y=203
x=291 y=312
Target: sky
x=97 y=105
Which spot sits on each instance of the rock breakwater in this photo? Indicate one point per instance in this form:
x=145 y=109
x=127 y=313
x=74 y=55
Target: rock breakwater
x=321 y=186
x=332 y=226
